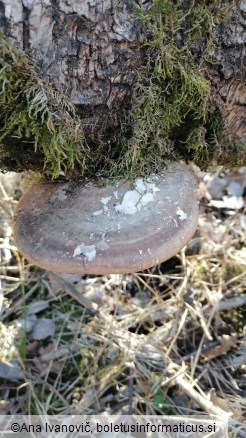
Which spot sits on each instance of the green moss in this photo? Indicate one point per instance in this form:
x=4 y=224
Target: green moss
x=215 y=123
x=32 y=112
x=171 y=102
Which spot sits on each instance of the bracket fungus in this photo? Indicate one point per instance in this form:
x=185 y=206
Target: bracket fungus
x=130 y=226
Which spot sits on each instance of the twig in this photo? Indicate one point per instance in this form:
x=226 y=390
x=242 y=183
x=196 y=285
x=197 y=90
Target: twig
x=232 y=303
x=130 y=401
x=201 y=400
x=19 y=303
x=62 y=352
x=72 y=291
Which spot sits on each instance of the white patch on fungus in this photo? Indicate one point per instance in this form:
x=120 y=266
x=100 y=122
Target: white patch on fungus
x=140 y=186
x=129 y=203
x=176 y=224
x=89 y=252
x=59 y=195
x=97 y=213
x=146 y=198
x=105 y=201
x=102 y=245
x=181 y=214
x=152 y=187
x=134 y=200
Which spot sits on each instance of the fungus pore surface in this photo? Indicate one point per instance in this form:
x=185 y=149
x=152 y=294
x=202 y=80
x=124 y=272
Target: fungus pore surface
x=121 y=228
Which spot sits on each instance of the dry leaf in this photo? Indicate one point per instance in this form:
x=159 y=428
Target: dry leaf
x=210 y=228
x=37 y=306
x=32 y=347
x=28 y=323
x=42 y=367
x=216 y=187
x=11 y=371
x=43 y=329
x=228 y=202
x=226 y=343
x=227 y=405
x=235 y=189
x=48 y=349
x=71 y=278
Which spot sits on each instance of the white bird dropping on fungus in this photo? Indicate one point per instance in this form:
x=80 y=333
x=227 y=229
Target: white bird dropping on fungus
x=89 y=252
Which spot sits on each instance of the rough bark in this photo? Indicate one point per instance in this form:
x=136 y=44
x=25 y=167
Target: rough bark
x=91 y=49
x=229 y=77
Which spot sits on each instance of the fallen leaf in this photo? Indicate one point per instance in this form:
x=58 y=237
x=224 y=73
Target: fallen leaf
x=32 y=347
x=216 y=187
x=42 y=367
x=11 y=371
x=37 y=307
x=226 y=343
x=28 y=323
x=235 y=189
x=43 y=329
x=71 y=278
x=228 y=202
x=48 y=349
x=211 y=228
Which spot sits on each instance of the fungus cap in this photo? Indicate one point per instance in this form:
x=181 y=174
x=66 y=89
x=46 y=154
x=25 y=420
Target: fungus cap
x=127 y=227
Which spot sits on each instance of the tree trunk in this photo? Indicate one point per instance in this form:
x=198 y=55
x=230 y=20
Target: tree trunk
x=92 y=51
x=229 y=77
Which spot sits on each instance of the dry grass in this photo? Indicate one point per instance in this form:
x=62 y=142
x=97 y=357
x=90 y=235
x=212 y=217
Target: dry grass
x=170 y=340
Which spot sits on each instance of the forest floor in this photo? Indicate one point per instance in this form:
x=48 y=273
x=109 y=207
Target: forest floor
x=169 y=341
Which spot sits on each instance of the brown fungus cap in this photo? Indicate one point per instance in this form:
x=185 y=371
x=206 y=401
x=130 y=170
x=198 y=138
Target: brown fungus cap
x=128 y=227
